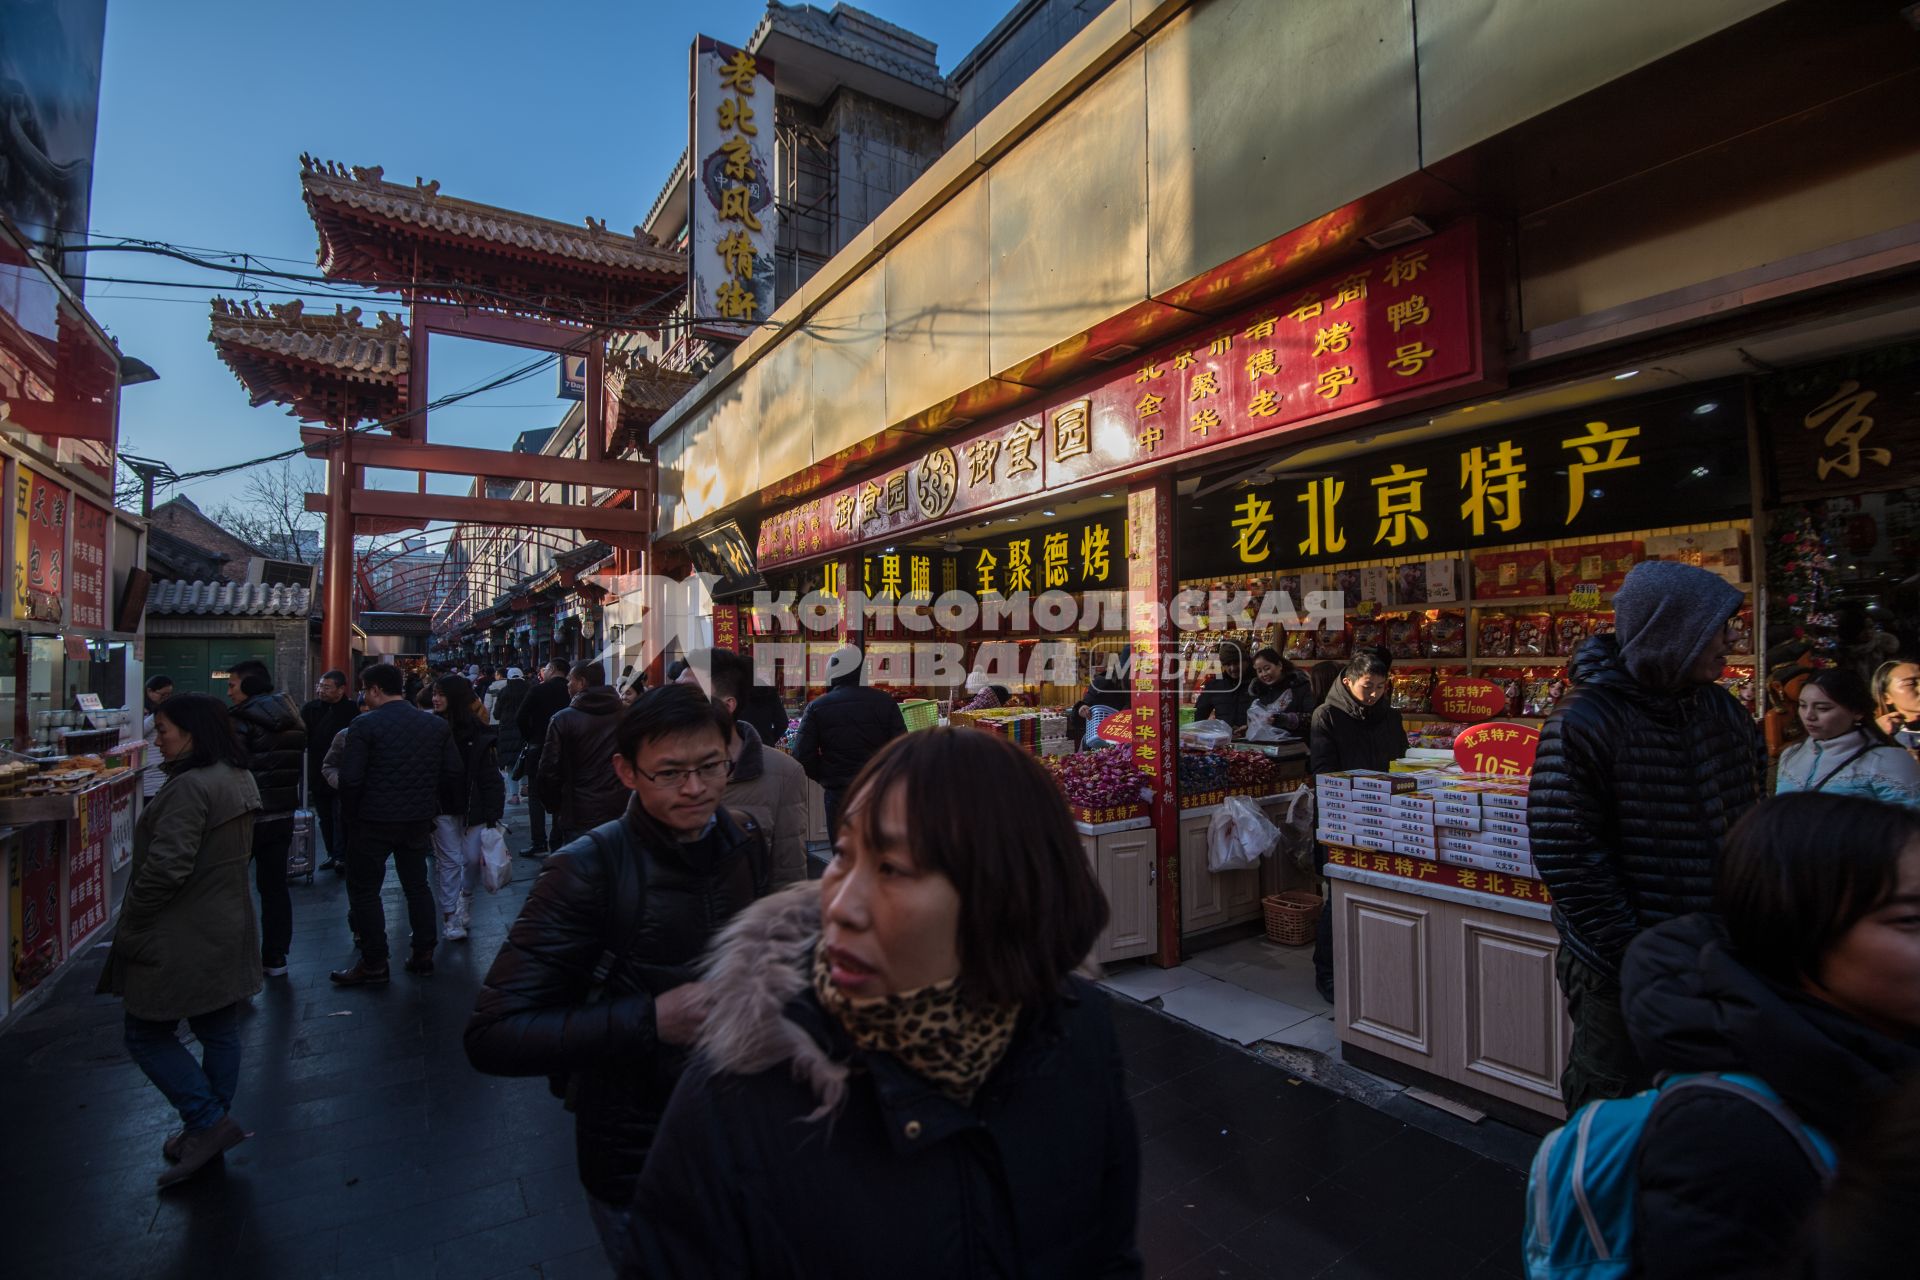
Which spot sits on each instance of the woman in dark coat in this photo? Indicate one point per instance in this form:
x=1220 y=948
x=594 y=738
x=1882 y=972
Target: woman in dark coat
x=1280 y=694
x=467 y=811
x=187 y=945
x=1809 y=978
x=900 y=1075
x=1225 y=697
x=1355 y=727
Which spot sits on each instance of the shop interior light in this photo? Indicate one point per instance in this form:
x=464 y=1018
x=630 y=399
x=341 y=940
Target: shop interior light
x=887 y=551
x=1046 y=513
x=1701 y=473
x=1622 y=377
x=1598 y=493
x=1706 y=407
x=1106 y=495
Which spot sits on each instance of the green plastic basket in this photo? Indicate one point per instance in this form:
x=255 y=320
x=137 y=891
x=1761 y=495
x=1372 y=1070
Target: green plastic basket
x=920 y=713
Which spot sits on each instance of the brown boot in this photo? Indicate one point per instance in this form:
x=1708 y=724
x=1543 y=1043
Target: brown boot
x=362 y=975
x=421 y=962
x=201 y=1146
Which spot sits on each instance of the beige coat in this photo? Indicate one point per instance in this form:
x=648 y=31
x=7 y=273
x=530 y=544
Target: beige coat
x=771 y=787
x=187 y=942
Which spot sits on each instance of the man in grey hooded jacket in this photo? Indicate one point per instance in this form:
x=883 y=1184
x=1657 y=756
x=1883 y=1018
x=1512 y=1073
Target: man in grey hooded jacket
x=1641 y=772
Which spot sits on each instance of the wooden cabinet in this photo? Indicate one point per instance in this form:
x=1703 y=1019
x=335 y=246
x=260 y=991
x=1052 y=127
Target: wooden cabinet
x=1123 y=863
x=1211 y=899
x=1466 y=993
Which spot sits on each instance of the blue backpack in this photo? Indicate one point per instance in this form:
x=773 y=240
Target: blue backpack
x=1585 y=1177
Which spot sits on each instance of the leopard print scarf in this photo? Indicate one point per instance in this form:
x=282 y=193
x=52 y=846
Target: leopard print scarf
x=933 y=1032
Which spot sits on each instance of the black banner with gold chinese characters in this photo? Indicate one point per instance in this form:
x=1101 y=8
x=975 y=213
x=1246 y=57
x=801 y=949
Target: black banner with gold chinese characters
x=1654 y=462
x=1848 y=426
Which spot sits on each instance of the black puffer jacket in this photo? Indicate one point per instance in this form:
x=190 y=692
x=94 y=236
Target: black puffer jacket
x=1223 y=699
x=631 y=888
x=1632 y=791
x=1039 y=1176
x=1291 y=697
x=843 y=729
x=1346 y=735
x=394 y=764
x=537 y=710
x=480 y=796
x=1725 y=1192
x=276 y=741
x=577 y=783
x=506 y=717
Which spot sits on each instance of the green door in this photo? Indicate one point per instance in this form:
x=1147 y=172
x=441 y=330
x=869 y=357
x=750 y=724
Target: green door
x=201 y=666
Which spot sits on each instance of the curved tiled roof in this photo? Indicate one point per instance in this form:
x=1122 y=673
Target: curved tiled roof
x=376 y=353
x=365 y=188
x=230 y=599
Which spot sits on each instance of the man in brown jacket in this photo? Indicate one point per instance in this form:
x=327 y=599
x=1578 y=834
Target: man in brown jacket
x=767 y=783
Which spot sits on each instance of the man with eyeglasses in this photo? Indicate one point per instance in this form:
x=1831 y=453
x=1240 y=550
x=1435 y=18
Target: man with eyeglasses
x=1642 y=770
x=595 y=986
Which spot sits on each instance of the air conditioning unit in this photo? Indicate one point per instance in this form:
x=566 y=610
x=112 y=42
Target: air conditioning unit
x=280 y=573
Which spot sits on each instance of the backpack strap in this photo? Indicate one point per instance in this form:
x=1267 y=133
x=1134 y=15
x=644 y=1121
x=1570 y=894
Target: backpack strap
x=759 y=856
x=623 y=904
x=1814 y=1145
x=1834 y=772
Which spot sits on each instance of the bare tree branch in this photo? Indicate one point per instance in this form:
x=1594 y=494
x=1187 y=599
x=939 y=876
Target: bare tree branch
x=272 y=514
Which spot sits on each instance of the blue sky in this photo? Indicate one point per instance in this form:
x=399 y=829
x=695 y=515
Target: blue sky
x=562 y=109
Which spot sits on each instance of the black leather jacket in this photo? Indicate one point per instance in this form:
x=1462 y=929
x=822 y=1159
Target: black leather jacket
x=627 y=888
x=394 y=764
x=1633 y=790
x=276 y=741
x=481 y=796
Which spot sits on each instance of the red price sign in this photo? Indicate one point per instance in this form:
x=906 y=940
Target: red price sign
x=1467 y=699
x=1117 y=727
x=1497 y=747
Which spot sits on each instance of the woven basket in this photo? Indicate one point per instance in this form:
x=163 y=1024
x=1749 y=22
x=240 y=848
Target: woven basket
x=1293 y=917
x=920 y=713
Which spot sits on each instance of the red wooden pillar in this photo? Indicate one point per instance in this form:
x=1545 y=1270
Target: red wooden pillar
x=337 y=630
x=1156 y=714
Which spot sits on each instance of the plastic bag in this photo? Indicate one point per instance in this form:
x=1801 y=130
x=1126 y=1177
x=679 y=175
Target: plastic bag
x=496 y=860
x=1297 y=828
x=1211 y=734
x=1260 y=723
x=1239 y=835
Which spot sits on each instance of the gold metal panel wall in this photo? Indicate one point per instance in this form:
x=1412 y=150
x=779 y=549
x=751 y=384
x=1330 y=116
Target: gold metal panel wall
x=848 y=339
x=936 y=289
x=783 y=416
x=1266 y=114
x=1487 y=65
x=1068 y=216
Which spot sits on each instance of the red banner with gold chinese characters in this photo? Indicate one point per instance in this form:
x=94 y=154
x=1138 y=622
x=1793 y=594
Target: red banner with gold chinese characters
x=1386 y=331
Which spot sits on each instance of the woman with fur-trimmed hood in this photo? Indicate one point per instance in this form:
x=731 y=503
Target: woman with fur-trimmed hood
x=900 y=1073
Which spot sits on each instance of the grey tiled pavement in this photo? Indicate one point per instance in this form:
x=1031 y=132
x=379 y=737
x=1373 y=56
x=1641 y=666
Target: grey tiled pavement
x=379 y=1152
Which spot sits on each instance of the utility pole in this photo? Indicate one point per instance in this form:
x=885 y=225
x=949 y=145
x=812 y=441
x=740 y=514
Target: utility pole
x=148 y=470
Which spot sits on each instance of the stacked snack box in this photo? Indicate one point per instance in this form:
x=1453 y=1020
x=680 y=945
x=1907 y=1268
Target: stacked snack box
x=1451 y=818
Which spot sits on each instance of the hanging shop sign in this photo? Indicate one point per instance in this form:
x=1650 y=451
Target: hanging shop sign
x=1638 y=464
x=1850 y=426
x=734 y=223
x=89 y=567
x=1497 y=747
x=1117 y=727
x=39 y=546
x=1393 y=330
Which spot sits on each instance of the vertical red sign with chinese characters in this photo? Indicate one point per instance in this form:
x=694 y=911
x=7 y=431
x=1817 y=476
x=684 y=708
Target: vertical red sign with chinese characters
x=726 y=627
x=87 y=866
x=1156 y=710
x=89 y=568
x=36 y=936
x=39 y=546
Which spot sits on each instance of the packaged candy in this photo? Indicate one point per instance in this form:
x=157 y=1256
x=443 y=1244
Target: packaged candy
x=1532 y=635
x=1739 y=681
x=1403 y=635
x=1332 y=644
x=1513 y=681
x=1542 y=687
x=1505 y=575
x=1412 y=690
x=1601 y=564
x=1600 y=622
x=1368 y=633
x=1446 y=634
x=1740 y=632
x=1569 y=632
x=1443 y=581
x=1300 y=645
x=1412 y=585
x=1496 y=635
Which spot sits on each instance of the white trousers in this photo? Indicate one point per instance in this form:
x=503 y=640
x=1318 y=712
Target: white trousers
x=456 y=860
